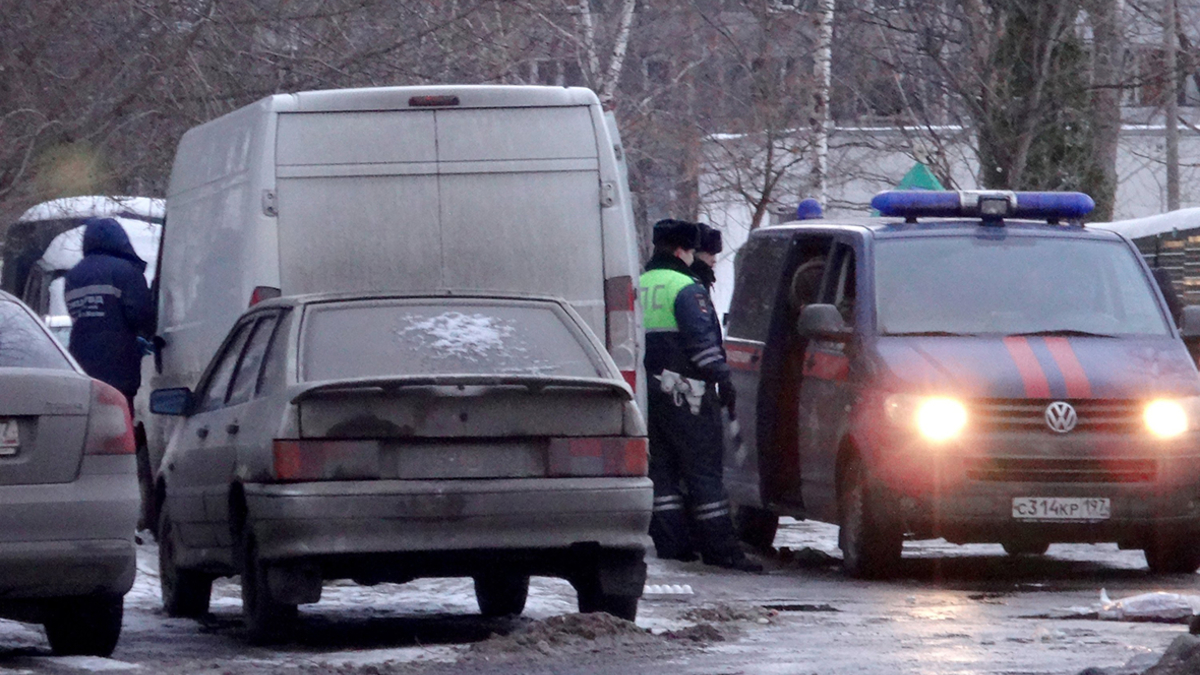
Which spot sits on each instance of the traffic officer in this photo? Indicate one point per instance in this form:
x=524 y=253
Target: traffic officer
x=688 y=379
x=708 y=247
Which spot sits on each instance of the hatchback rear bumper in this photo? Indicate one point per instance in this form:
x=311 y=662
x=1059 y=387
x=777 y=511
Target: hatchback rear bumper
x=301 y=520
x=69 y=539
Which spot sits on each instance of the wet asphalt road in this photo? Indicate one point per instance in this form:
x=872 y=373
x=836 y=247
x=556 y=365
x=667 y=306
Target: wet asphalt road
x=951 y=609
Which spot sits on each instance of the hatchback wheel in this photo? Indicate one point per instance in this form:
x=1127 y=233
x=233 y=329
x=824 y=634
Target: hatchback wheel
x=612 y=583
x=756 y=527
x=267 y=621
x=185 y=593
x=871 y=547
x=1173 y=555
x=501 y=594
x=86 y=626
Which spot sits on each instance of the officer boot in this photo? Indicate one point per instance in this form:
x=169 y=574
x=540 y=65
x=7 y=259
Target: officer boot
x=719 y=543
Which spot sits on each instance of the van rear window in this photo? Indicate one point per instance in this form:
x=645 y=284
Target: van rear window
x=446 y=337
x=23 y=343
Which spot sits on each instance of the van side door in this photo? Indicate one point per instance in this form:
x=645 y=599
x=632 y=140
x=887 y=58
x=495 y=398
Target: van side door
x=826 y=394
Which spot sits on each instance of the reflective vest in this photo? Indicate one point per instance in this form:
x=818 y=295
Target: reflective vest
x=659 y=288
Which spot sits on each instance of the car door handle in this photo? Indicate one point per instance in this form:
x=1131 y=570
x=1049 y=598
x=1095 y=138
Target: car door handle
x=232 y=429
x=202 y=432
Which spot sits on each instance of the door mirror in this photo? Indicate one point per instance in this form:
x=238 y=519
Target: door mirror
x=1190 y=326
x=176 y=401
x=822 y=322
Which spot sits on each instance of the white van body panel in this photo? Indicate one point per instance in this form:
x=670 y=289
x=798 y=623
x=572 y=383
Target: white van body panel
x=513 y=189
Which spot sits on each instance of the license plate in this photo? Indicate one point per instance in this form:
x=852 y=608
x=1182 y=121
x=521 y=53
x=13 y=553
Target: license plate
x=1061 y=509
x=10 y=438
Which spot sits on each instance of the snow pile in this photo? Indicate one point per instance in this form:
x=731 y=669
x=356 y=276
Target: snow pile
x=725 y=613
x=458 y=335
x=598 y=633
x=1163 y=223
x=1158 y=607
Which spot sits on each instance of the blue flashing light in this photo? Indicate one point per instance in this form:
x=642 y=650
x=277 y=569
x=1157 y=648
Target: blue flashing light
x=986 y=204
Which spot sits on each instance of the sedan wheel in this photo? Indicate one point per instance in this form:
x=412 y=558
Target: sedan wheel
x=871 y=548
x=267 y=621
x=501 y=594
x=185 y=593
x=86 y=626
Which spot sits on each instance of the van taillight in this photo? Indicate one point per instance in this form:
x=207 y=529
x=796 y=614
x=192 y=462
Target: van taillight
x=301 y=460
x=109 y=426
x=617 y=456
x=621 y=322
x=262 y=293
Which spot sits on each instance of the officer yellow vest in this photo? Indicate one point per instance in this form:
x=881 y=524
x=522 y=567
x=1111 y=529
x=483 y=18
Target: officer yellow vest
x=659 y=288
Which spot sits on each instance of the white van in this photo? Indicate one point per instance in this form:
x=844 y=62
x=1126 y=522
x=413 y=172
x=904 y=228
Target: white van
x=408 y=189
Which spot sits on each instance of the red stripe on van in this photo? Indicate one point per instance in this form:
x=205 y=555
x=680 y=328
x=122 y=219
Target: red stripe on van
x=1073 y=373
x=741 y=357
x=1031 y=371
x=825 y=366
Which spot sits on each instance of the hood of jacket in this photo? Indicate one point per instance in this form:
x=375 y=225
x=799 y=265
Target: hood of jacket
x=105 y=236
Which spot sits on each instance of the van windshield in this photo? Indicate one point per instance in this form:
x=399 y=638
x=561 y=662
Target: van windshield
x=444 y=337
x=1012 y=285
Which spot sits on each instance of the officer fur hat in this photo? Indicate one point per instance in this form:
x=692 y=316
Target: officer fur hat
x=710 y=240
x=672 y=233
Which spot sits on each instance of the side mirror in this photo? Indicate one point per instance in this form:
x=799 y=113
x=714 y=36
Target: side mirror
x=176 y=401
x=1190 y=326
x=823 y=322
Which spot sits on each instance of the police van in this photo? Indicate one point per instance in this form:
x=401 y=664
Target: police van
x=977 y=366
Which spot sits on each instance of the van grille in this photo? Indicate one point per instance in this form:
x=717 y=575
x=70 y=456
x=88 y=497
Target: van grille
x=1100 y=415
x=1037 y=470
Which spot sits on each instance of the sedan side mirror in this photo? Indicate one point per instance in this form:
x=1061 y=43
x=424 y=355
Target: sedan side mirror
x=175 y=401
x=823 y=322
x=1190 y=326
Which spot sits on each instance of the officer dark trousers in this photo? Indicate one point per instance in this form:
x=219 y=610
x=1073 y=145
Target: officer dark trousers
x=686 y=452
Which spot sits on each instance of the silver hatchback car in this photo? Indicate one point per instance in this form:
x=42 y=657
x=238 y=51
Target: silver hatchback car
x=68 y=491
x=386 y=438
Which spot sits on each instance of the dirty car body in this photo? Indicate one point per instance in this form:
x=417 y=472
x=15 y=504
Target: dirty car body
x=68 y=490
x=1014 y=382
x=385 y=438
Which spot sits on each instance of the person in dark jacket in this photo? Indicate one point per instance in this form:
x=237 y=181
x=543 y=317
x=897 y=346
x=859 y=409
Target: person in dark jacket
x=688 y=382
x=110 y=307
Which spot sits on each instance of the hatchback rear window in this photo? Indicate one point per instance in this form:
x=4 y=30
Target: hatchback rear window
x=23 y=343
x=400 y=338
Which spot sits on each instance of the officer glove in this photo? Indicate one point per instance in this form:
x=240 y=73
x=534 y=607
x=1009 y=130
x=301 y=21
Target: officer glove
x=727 y=395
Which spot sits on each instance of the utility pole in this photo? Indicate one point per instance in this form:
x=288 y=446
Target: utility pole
x=824 y=77
x=1171 y=109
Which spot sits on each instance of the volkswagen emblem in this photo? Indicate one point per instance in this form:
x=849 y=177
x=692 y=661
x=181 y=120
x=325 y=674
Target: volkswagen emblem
x=1061 y=417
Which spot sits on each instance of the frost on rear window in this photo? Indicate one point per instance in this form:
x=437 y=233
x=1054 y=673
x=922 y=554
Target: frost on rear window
x=23 y=344
x=386 y=339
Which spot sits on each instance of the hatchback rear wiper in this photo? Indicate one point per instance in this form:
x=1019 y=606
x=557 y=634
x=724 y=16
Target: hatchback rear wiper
x=930 y=333
x=1065 y=332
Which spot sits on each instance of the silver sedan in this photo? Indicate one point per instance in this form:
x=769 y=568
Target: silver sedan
x=68 y=491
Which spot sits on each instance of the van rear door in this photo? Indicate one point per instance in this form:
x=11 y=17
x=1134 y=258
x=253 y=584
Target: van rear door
x=462 y=198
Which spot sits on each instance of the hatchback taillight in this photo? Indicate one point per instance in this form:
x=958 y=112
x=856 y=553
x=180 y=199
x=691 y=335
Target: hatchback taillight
x=618 y=456
x=302 y=460
x=109 y=426
x=621 y=338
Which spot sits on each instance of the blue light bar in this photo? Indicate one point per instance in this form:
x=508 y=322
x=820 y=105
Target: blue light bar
x=1051 y=206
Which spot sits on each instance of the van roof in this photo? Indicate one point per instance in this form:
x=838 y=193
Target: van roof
x=896 y=227
x=401 y=98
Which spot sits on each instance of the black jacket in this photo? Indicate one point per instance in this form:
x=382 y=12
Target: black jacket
x=110 y=306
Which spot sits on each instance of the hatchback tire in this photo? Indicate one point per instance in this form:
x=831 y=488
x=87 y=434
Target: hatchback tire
x=755 y=527
x=87 y=626
x=267 y=621
x=620 y=606
x=1173 y=555
x=501 y=594
x=185 y=593
x=871 y=546
x=612 y=582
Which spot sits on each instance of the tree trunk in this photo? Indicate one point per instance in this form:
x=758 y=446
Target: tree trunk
x=1101 y=179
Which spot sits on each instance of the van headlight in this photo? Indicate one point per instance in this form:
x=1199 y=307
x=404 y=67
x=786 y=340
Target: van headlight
x=1168 y=418
x=936 y=418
